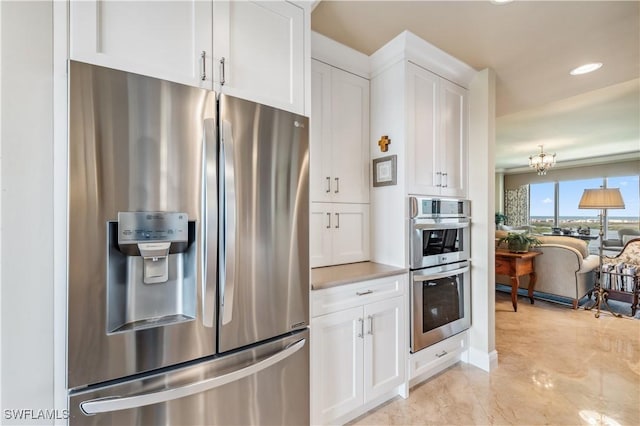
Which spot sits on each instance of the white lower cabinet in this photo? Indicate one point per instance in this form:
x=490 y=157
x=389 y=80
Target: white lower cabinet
x=359 y=352
x=339 y=233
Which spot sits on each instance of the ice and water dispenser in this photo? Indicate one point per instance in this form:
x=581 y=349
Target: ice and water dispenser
x=151 y=273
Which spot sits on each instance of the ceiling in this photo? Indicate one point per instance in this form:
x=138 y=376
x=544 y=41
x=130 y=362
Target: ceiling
x=531 y=46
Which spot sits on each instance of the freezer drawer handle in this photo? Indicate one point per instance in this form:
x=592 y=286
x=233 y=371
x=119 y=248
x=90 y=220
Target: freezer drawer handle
x=105 y=405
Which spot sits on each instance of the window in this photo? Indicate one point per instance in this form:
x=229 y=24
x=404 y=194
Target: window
x=542 y=206
x=629 y=217
x=555 y=204
x=569 y=215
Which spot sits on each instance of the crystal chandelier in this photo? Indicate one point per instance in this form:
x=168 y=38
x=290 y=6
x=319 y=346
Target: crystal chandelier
x=542 y=161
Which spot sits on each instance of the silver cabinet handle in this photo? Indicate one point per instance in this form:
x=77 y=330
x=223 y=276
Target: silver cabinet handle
x=222 y=77
x=362 y=293
x=361 y=334
x=210 y=226
x=329 y=217
x=337 y=220
x=228 y=223
x=445 y=180
x=337 y=185
x=438 y=179
x=370 y=318
x=328 y=185
x=203 y=57
x=441 y=354
x=105 y=405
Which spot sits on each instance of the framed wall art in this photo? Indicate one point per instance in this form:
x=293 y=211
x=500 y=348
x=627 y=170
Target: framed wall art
x=384 y=171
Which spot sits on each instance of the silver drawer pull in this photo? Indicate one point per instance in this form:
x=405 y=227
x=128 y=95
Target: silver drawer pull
x=441 y=354
x=362 y=293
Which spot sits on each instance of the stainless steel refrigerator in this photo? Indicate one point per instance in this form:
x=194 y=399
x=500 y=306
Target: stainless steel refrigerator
x=188 y=255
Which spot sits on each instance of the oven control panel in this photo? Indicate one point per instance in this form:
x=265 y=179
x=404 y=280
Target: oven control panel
x=438 y=207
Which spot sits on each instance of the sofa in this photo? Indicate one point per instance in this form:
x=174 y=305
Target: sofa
x=565 y=269
x=624 y=236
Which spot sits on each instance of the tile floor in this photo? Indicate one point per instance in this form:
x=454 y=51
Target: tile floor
x=556 y=366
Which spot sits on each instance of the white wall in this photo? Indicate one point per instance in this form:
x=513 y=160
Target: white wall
x=482 y=343
x=26 y=203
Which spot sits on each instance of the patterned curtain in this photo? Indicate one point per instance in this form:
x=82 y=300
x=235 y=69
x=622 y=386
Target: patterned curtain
x=516 y=206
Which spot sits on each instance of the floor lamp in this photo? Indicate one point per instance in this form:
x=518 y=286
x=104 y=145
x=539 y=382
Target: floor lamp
x=603 y=199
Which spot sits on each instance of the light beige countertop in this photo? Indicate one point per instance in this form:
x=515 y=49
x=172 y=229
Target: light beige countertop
x=331 y=276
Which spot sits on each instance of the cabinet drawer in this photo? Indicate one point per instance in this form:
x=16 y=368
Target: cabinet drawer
x=437 y=357
x=503 y=267
x=359 y=293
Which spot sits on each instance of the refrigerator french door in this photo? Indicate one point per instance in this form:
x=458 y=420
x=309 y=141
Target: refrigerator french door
x=188 y=252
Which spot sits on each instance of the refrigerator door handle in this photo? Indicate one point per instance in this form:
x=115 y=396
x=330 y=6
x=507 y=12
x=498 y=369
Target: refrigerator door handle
x=105 y=405
x=210 y=231
x=228 y=255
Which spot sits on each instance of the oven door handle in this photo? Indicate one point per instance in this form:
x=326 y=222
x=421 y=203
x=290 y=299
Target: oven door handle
x=445 y=225
x=446 y=274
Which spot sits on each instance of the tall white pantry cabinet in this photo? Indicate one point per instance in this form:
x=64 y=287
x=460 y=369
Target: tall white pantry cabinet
x=339 y=172
x=250 y=49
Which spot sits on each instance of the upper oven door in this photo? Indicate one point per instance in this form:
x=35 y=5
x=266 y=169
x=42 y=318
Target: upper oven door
x=438 y=241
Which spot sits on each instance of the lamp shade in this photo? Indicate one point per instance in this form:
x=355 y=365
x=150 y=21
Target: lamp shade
x=601 y=198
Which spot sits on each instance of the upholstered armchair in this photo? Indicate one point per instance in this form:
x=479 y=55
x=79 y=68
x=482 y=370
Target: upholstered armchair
x=565 y=269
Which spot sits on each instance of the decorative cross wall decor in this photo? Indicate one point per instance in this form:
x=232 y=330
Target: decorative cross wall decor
x=384 y=143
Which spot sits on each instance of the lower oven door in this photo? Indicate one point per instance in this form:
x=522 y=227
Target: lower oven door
x=441 y=303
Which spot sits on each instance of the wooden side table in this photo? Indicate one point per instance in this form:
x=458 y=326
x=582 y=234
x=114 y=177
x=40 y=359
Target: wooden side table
x=515 y=265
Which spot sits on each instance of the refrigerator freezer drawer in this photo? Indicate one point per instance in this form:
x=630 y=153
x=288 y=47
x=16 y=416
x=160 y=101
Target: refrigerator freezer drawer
x=263 y=385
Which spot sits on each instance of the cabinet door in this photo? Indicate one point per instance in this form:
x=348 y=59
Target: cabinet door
x=385 y=351
x=349 y=137
x=454 y=122
x=336 y=364
x=262 y=43
x=163 y=39
x=320 y=235
x=423 y=163
x=320 y=179
x=350 y=228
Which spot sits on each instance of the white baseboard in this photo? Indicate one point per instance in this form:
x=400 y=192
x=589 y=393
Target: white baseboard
x=369 y=406
x=486 y=361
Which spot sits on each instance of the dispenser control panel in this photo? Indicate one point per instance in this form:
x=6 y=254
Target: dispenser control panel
x=135 y=227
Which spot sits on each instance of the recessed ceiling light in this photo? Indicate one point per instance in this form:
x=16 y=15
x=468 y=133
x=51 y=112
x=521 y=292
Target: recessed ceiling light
x=501 y=1
x=583 y=69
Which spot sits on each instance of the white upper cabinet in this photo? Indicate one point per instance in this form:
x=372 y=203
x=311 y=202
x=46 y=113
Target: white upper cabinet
x=163 y=39
x=338 y=233
x=262 y=43
x=437 y=116
x=250 y=49
x=339 y=135
x=454 y=117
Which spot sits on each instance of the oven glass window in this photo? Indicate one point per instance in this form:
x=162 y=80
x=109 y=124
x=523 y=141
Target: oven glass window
x=443 y=302
x=439 y=241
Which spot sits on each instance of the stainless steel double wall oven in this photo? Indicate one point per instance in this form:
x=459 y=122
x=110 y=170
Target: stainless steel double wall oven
x=439 y=239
